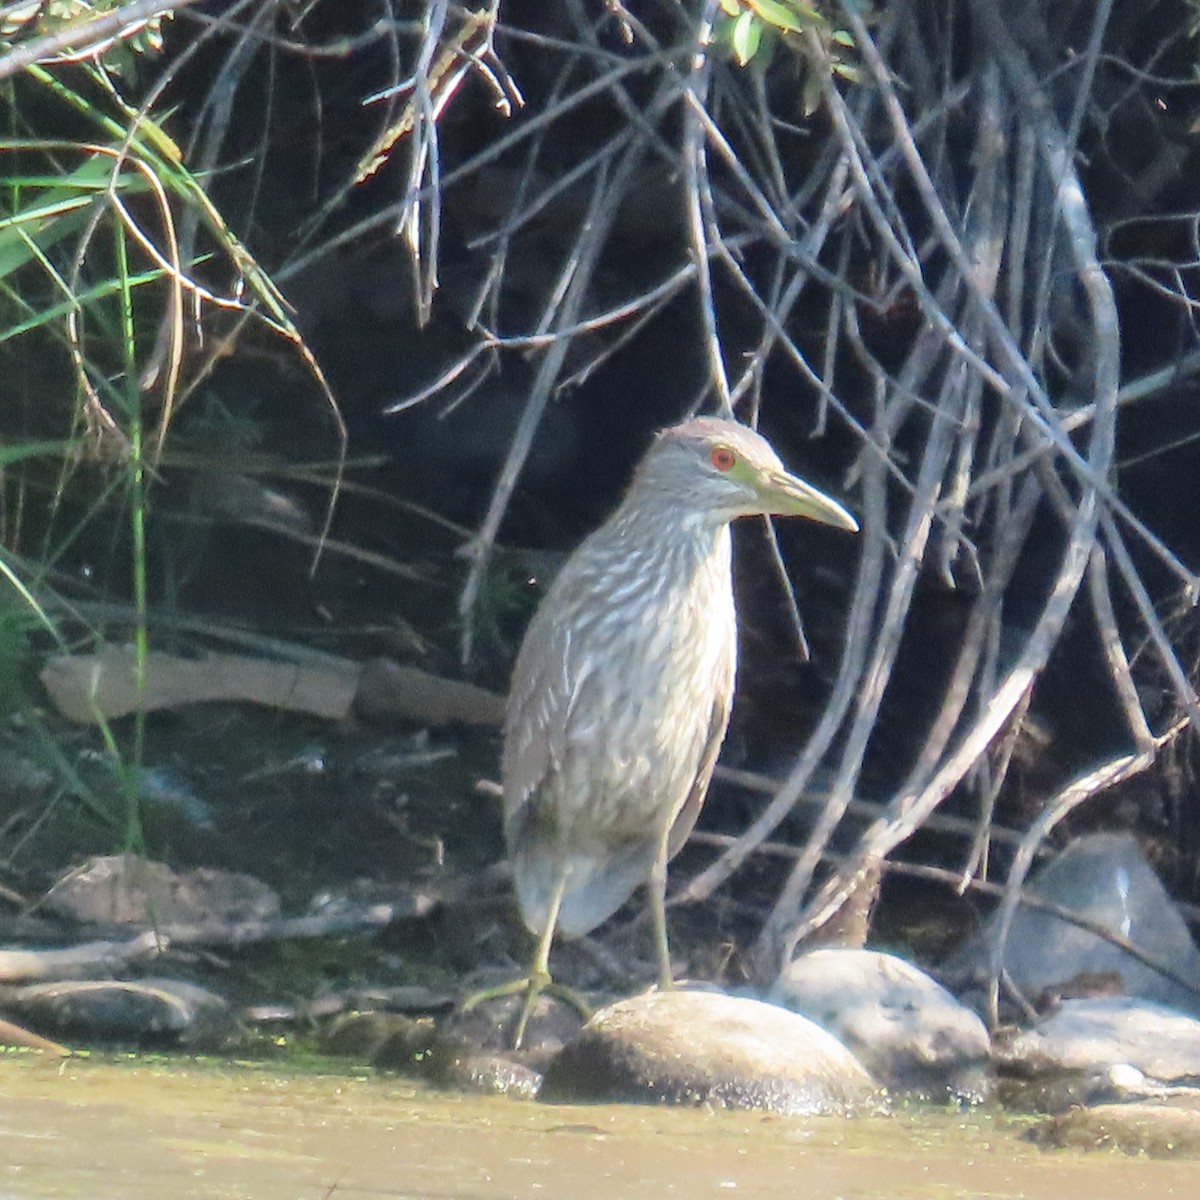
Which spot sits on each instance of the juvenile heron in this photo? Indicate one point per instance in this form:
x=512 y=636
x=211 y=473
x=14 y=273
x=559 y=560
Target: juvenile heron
x=621 y=692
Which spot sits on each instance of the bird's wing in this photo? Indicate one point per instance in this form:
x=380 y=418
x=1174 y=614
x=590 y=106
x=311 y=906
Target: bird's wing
x=535 y=721
x=685 y=819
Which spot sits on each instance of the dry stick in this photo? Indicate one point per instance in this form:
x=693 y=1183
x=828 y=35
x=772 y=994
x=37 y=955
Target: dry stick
x=1107 y=775
x=867 y=181
x=654 y=296
x=1115 y=655
x=1114 y=651
x=522 y=207
x=524 y=212
x=876 y=548
x=890 y=414
x=840 y=313
x=782 y=305
x=1086 y=75
x=562 y=312
x=702 y=222
x=1018 y=376
x=636 y=315
x=386 y=218
x=79 y=36
x=1184 y=691
x=985 y=611
x=759 y=131
x=605 y=202
x=1026 y=899
x=910 y=810
x=422 y=233
x=633 y=108
x=794 y=354
x=919 y=524
x=975 y=865
x=936 y=455
x=765 y=785
x=89 y=958
x=984 y=241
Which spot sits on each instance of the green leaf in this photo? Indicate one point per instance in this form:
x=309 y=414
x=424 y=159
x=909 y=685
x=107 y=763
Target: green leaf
x=47 y=216
x=745 y=37
x=731 y=8
x=789 y=18
x=843 y=37
x=18 y=451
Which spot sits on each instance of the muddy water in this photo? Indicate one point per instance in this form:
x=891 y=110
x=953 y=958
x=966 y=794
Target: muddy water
x=123 y=1131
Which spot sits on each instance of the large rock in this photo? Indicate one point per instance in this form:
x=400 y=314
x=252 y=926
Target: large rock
x=1105 y=879
x=674 y=1047
x=909 y=1032
x=1091 y=1036
x=146 y=1012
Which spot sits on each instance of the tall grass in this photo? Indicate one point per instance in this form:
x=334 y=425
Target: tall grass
x=103 y=303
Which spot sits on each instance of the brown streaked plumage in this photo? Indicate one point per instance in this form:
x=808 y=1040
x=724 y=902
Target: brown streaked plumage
x=622 y=689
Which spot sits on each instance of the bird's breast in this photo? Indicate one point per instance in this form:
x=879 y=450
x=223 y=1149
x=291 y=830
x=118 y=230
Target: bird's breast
x=642 y=668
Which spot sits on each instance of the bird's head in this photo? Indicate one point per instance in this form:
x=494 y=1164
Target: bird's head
x=725 y=470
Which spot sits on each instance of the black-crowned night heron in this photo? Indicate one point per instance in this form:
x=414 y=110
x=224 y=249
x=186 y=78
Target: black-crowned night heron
x=621 y=692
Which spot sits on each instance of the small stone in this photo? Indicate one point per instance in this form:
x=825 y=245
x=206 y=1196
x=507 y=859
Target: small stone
x=705 y=1048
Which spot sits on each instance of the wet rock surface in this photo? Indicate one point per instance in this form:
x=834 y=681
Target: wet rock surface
x=1089 y=1034
x=706 y=1048
x=902 y=1025
x=491 y=1025
x=1155 y=1130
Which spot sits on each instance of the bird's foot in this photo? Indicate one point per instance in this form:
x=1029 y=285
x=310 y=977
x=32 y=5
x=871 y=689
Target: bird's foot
x=533 y=986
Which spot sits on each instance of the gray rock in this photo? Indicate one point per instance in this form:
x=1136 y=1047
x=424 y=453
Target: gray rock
x=384 y=1039
x=1105 y=879
x=125 y=889
x=394 y=1042
x=490 y=1025
x=459 y=1067
x=146 y=1011
x=903 y=1026
x=1091 y=1036
x=704 y=1048
x=1057 y=1093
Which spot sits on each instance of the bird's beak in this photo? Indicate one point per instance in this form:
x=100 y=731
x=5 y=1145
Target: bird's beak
x=788 y=496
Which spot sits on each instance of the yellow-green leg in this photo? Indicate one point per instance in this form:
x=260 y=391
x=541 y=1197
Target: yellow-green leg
x=538 y=980
x=656 y=886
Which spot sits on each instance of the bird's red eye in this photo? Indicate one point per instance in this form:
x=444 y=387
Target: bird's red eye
x=722 y=458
